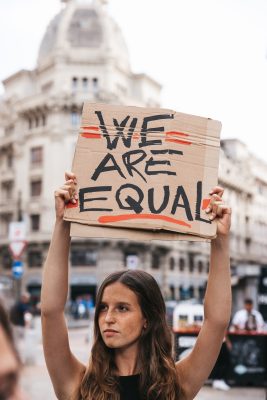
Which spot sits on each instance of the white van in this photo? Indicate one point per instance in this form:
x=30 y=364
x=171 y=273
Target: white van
x=188 y=315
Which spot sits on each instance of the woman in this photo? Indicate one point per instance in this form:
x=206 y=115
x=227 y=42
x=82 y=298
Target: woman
x=9 y=361
x=131 y=354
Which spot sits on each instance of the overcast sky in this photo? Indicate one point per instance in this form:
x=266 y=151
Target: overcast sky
x=209 y=55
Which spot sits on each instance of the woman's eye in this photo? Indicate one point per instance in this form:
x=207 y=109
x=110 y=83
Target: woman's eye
x=123 y=308
x=102 y=307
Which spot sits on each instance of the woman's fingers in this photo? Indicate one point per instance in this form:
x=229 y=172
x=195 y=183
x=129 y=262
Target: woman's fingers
x=64 y=194
x=217 y=190
x=213 y=201
x=70 y=176
x=68 y=191
x=218 y=209
x=225 y=209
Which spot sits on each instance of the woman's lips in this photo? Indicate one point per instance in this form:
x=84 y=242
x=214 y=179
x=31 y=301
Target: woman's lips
x=110 y=332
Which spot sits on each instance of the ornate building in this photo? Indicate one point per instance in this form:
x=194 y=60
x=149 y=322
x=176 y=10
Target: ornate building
x=83 y=56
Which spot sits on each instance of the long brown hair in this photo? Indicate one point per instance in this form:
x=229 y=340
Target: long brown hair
x=158 y=376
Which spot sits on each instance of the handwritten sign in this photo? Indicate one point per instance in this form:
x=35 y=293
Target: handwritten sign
x=146 y=169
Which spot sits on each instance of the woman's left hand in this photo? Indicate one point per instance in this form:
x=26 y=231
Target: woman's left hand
x=219 y=211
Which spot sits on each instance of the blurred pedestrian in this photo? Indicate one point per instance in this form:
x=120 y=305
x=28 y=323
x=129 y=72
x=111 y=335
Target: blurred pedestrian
x=221 y=369
x=20 y=315
x=248 y=319
x=9 y=361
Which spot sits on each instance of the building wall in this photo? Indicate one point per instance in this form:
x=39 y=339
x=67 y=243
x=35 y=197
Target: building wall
x=41 y=109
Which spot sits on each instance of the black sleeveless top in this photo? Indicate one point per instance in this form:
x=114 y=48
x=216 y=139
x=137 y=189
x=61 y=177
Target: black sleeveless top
x=129 y=387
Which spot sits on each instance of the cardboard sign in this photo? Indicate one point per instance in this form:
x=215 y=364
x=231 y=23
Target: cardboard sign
x=145 y=169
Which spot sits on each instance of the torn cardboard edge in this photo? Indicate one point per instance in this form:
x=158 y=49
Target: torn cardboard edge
x=145 y=229
x=90 y=231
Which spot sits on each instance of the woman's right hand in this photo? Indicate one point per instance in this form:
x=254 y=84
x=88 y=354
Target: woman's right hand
x=65 y=194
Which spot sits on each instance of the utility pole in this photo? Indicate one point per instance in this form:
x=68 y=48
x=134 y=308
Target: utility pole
x=17 y=244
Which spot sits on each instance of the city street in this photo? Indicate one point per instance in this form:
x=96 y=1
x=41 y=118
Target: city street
x=37 y=386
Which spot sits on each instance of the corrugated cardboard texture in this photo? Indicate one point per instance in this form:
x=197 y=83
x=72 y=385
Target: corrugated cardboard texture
x=147 y=169
x=90 y=231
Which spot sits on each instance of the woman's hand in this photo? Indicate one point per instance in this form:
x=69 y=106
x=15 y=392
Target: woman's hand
x=219 y=211
x=65 y=194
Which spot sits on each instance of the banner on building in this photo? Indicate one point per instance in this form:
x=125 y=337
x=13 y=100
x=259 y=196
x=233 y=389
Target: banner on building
x=144 y=173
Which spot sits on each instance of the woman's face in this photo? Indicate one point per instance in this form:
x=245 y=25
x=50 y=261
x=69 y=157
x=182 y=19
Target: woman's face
x=120 y=318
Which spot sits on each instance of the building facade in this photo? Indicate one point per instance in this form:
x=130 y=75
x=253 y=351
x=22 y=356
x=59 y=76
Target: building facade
x=83 y=56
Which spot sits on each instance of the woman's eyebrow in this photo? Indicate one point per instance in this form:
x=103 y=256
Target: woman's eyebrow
x=123 y=303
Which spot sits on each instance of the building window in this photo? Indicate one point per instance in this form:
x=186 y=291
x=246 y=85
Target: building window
x=75 y=118
x=35 y=222
x=7 y=189
x=200 y=266
x=36 y=155
x=183 y=293
x=9 y=160
x=5 y=220
x=81 y=258
x=201 y=292
x=43 y=119
x=35 y=258
x=74 y=84
x=181 y=264
x=155 y=261
x=172 y=263
x=95 y=85
x=85 y=84
x=36 y=188
x=191 y=292
x=172 y=292
x=191 y=262
x=36 y=122
x=5 y=258
x=29 y=123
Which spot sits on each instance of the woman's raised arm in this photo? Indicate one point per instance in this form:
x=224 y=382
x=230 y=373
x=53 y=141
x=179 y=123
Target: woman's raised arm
x=195 y=369
x=64 y=369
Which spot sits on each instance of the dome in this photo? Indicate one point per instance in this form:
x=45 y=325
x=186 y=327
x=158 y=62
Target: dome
x=83 y=32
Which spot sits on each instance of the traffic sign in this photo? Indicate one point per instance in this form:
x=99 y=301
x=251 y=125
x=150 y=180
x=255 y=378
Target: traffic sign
x=17 y=231
x=17 y=269
x=17 y=248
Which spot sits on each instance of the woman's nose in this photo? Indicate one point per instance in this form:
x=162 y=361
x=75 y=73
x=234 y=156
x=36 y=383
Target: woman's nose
x=110 y=317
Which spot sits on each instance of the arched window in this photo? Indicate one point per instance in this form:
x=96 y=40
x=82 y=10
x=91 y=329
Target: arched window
x=85 y=84
x=74 y=84
x=95 y=85
x=200 y=266
x=181 y=264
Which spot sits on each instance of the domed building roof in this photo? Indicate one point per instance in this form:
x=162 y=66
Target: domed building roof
x=83 y=32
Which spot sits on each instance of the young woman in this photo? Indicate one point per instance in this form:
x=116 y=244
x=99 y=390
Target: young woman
x=131 y=354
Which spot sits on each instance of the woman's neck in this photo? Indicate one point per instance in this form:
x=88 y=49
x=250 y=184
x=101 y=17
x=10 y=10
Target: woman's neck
x=126 y=361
